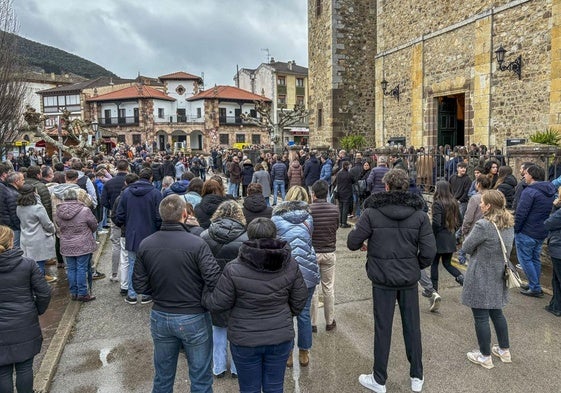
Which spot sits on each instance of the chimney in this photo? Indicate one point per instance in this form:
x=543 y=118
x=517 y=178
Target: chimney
x=272 y=60
x=289 y=65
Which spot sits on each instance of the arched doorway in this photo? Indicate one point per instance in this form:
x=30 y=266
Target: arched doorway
x=179 y=139
x=162 y=140
x=196 y=140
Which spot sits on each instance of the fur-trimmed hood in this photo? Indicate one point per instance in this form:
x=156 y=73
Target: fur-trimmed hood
x=291 y=206
x=265 y=255
x=396 y=205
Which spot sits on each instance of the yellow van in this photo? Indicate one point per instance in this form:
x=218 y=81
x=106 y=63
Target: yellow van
x=240 y=145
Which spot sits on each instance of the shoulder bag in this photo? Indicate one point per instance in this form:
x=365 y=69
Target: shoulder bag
x=511 y=276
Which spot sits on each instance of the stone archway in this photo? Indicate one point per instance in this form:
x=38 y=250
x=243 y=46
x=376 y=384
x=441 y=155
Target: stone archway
x=196 y=140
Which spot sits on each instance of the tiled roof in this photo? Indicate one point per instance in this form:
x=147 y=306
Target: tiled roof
x=227 y=93
x=286 y=68
x=88 y=84
x=180 y=75
x=137 y=91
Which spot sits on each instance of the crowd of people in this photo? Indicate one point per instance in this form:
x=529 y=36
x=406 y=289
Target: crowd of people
x=256 y=238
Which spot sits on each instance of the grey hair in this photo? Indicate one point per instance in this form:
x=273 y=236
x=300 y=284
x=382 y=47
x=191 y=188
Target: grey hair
x=172 y=207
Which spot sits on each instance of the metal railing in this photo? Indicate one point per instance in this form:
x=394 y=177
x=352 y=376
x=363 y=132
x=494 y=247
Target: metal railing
x=119 y=121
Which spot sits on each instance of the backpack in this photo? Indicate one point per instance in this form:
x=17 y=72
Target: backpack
x=362 y=186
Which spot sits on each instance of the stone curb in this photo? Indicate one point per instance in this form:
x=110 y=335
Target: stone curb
x=43 y=378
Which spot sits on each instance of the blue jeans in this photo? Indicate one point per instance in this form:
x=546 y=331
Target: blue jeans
x=528 y=251
x=132 y=259
x=193 y=333
x=17 y=236
x=234 y=189
x=220 y=351
x=304 y=323
x=41 y=265
x=77 y=271
x=483 y=329
x=276 y=185
x=261 y=367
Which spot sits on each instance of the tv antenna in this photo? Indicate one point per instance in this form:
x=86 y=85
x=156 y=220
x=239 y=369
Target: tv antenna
x=268 y=54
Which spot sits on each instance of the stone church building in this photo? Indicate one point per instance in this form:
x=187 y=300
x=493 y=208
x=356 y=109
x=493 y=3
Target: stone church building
x=428 y=73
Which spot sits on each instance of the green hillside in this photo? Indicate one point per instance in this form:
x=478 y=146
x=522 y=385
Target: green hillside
x=51 y=59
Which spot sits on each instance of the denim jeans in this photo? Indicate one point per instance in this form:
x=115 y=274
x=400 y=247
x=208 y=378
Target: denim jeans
x=304 y=323
x=426 y=282
x=528 y=251
x=276 y=185
x=17 y=236
x=220 y=351
x=24 y=377
x=77 y=271
x=115 y=238
x=41 y=265
x=193 y=333
x=261 y=367
x=483 y=330
x=132 y=259
x=234 y=189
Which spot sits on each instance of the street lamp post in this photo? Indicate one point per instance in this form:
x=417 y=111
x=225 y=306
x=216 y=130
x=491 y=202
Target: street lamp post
x=95 y=128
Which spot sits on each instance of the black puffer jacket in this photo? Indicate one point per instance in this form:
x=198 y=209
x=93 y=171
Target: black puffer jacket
x=175 y=266
x=24 y=295
x=225 y=236
x=508 y=188
x=400 y=239
x=255 y=206
x=207 y=207
x=10 y=204
x=264 y=289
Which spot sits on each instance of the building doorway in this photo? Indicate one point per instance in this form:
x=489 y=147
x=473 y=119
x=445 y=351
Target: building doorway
x=451 y=130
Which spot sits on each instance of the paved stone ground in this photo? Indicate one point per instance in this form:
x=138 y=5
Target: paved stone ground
x=110 y=349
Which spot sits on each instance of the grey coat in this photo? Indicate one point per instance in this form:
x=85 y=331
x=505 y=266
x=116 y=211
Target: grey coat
x=37 y=232
x=484 y=285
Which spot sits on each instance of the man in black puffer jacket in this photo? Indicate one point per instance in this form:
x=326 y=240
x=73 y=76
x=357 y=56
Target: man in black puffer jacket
x=175 y=266
x=400 y=244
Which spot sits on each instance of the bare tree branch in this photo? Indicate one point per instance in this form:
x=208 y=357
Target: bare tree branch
x=12 y=87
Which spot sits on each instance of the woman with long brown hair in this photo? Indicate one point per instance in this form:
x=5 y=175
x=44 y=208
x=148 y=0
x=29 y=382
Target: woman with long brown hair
x=212 y=196
x=445 y=222
x=484 y=289
x=506 y=183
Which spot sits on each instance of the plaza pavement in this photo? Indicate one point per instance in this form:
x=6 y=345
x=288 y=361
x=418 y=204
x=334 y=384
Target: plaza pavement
x=108 y=348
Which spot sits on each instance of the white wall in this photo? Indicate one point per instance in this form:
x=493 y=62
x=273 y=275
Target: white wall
x=169 y=110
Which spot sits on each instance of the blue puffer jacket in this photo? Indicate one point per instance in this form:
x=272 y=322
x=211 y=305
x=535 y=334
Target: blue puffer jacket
x=326 y=170
x=294 y=224
x=533 y=209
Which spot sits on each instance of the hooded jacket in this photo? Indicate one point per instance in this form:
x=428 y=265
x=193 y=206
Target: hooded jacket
x=9 y=206
x=25 y=295
x=76 y=225
x=294 y=223
x=312 y=170
x=247 y=173
x=179 y=187
x=508 y=188
x=326 y=169
x=295 y=174
x=255 y=206
x=264 y=289
x=400 y=239
x=533 y=209
x=57 y=196
x=207 y=207
x=138 y=211
x=224 y=237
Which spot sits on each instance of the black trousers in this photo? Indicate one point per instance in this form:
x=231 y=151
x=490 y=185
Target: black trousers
x=384 y=306
x=344 y=209
x=555 y=303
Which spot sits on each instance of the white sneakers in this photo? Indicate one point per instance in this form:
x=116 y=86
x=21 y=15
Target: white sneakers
x=368 y=381
x=478 y=358
x=435 y=302
x=417 y=384
x=503 y=354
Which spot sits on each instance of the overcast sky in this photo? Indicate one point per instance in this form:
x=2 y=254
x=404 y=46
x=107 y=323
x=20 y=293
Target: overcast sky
x=158 y=37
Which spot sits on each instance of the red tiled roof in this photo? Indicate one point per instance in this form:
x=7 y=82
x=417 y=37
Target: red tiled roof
x=228 y=93
x=180 y=75
x=138 y=91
